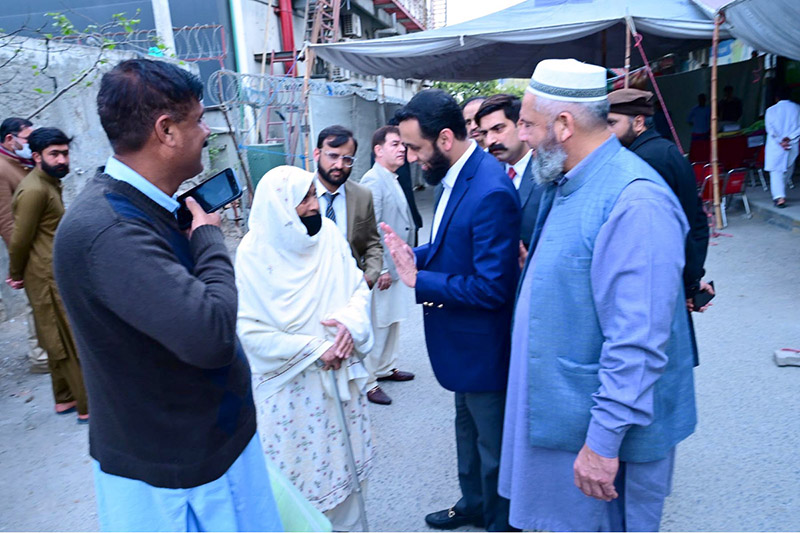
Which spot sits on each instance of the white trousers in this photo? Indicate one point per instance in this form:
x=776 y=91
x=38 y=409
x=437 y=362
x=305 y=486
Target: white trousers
x=777 y=182
x=381 y=360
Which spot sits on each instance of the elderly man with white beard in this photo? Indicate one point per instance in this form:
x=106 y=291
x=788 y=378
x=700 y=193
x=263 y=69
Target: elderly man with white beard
x=600 y=384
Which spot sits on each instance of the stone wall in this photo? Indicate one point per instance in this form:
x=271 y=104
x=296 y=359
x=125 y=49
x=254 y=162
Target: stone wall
x=75 y=113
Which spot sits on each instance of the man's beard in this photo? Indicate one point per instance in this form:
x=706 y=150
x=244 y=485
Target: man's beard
x=338 y=179
x=548 y=160
x=629 y=136
x=56 y=171
x=437 y=167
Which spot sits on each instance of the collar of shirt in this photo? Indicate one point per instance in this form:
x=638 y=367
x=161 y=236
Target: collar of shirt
x=321 y=190
x=122 y=172
x=380 y=169
x=522 y=164
x=578 y=171
x=449 y=180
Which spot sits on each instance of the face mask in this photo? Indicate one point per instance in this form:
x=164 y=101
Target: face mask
x=313 y=223
x=25 y=152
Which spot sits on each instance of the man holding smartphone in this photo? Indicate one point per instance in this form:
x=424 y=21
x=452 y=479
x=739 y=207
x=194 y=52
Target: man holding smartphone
x=173 y=432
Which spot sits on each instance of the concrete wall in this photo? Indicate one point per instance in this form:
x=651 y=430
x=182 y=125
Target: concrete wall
x=75 y=113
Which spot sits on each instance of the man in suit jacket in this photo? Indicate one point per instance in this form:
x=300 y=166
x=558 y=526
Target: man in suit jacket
x=390 y=299
x=465 y=279
x=348 y=204
x=497 y=117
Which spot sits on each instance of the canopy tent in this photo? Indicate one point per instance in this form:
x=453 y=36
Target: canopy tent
x=766 y=25
x=509 y=43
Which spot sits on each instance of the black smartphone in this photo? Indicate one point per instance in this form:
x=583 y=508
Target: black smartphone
x=703 y=297
x=214 y=193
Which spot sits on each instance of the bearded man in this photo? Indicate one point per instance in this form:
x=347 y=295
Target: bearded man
x=465 y=280
x=347 y=204
x=350 y=206
x=630 y=119
x=600 y=384
x=38 y=208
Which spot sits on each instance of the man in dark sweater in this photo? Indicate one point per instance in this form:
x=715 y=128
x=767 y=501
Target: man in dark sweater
x=629 y=117
x=173 y=430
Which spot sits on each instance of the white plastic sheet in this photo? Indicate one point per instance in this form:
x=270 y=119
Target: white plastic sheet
x=766 y=25
x=510 y=42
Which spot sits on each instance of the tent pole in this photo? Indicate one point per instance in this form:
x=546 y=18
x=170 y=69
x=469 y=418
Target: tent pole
x=718 y=18
x=627 y=54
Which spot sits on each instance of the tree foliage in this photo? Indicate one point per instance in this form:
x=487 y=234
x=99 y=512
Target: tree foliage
x=463 y=91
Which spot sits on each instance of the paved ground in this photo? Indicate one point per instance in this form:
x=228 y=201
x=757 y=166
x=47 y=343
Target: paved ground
x=738 y=472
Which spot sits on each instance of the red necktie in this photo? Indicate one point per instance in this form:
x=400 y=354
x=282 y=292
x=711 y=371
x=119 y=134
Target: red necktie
x=512 y=173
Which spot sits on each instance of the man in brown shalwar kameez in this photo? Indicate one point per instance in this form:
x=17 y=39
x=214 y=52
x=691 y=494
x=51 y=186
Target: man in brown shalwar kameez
x=38 y=209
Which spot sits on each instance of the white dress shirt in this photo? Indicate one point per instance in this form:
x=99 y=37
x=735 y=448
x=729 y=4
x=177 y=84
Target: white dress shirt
x=448 y=183
x=519 y=168
x=339 y=204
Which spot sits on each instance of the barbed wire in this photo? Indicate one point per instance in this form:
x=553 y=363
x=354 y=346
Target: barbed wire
x=192 y=43
x=234 y=89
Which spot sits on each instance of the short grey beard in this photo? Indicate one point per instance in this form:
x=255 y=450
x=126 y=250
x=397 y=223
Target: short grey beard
x=548 y=164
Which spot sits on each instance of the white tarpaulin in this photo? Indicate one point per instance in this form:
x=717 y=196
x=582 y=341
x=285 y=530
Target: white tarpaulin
x=509 y=43
x=766 y=25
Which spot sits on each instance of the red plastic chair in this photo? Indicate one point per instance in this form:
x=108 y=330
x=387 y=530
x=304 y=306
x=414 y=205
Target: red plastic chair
x=700 y=173
x=734 y=185
x=755 y=167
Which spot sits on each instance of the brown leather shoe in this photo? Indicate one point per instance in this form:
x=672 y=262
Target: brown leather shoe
x=376 y=395
x=398 y=375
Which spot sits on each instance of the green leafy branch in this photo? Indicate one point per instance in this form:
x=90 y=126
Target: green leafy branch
x=463 y=91
x=92 y=33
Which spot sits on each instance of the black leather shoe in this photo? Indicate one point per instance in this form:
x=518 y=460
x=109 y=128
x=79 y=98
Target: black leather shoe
x=452 y=519
x=376 y=395
x=398 y=375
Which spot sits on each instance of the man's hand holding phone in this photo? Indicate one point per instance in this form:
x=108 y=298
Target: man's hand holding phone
x=701 y=301
x=199 y=216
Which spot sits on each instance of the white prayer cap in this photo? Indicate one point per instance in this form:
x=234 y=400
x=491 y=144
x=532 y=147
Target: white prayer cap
x=568 y=80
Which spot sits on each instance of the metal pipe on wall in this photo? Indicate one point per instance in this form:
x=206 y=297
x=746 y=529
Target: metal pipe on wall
x=287 y=29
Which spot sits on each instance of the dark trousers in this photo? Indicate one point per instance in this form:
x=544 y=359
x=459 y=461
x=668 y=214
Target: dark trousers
x=479 y=433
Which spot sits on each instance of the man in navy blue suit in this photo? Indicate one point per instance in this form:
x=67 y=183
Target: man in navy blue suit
x=465 y=278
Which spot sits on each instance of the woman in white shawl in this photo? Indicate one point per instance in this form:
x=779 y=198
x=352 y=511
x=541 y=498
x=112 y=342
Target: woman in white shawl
x=304 y=310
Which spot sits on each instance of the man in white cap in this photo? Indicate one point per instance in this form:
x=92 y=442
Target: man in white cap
x=600 y=384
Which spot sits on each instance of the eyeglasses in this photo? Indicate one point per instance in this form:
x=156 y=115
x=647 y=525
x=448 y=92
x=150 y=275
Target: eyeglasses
x=21 y=138
x=348 y=160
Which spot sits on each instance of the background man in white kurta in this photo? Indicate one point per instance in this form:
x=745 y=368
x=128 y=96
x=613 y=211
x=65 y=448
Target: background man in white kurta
x=783 y=131
x=390 y=299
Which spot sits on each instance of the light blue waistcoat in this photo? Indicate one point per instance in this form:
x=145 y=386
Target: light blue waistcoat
x=565 y=339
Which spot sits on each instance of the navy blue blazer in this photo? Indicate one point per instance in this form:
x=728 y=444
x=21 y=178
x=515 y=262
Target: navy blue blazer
x=467 y=279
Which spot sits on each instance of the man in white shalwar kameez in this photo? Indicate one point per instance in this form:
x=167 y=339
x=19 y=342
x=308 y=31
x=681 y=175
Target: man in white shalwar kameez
x=391 y=299
x=782 y=122
x=304 y=311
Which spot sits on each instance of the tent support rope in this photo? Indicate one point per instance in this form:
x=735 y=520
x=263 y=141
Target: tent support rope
x=638 y=44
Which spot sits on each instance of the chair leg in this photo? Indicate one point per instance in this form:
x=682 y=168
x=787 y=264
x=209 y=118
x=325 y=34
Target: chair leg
x=751 y=176
x=761 y=178
x=746 y=205
x=723 y=207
